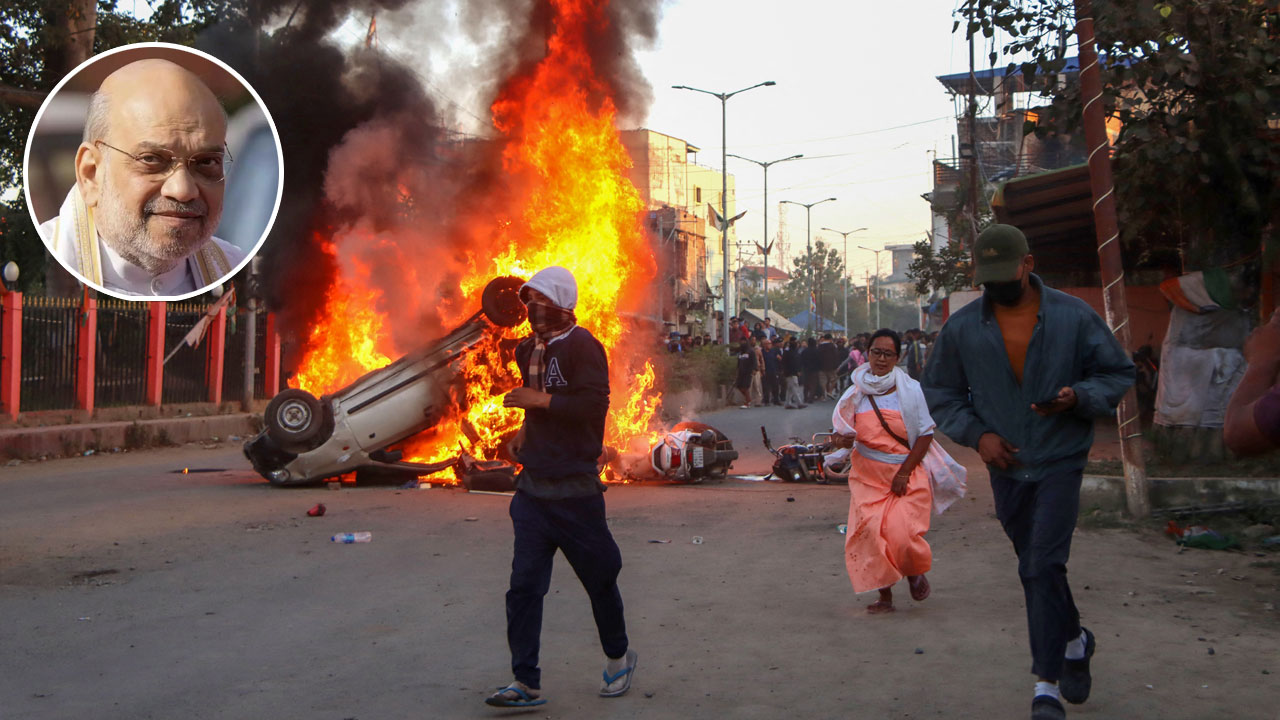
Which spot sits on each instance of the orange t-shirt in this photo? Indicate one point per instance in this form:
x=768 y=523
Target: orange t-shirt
x=1016 y=326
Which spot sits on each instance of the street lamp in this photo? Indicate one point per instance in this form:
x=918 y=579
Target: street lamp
x=808 y=244
x=10 y=275
x=846 y=235
x=724 y=189
x=877 y=252
x=766 y=165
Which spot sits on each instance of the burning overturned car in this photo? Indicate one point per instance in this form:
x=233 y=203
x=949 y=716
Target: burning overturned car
x=357 y=428
x=307 y=439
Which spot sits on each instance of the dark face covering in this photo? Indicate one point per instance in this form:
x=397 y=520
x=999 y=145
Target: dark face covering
x=1004 y=293
x=549 y=320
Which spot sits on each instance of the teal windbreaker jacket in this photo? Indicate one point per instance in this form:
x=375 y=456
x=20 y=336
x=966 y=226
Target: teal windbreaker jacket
x=971 y=390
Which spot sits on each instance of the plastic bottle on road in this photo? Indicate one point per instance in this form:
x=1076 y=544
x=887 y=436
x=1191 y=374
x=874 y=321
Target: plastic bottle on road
x=356 y=537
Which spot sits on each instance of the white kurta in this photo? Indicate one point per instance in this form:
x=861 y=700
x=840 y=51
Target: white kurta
x=73 y=231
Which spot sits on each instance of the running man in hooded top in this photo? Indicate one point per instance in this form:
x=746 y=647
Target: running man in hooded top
x=558 y=502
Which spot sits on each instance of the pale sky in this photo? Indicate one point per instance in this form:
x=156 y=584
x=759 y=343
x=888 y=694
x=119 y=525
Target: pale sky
x=846 y=73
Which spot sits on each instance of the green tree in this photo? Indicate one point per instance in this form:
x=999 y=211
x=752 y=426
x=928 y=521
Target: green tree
x=947 y=269
x=1194 y=85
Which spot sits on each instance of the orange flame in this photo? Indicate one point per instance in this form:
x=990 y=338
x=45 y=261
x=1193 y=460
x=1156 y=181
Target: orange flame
x=562 y=149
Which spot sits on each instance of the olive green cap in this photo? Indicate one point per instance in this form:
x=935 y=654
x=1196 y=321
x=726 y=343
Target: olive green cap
x=998 y=253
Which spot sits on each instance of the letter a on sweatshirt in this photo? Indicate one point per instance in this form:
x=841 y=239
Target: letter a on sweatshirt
x=554 y=376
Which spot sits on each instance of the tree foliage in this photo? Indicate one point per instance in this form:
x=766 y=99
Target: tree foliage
x=947 y=269
x=1193 y=84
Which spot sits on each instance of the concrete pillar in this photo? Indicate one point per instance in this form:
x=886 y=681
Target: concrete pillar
x=217 y=355
x=86 y=353
x=11 y=353
x=156 y=313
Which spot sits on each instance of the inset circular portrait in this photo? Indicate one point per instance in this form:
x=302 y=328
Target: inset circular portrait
x=153 y=172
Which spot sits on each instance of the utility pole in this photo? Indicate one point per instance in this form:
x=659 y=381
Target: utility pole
x=767 y=245
x=868 y=289
x=877 y=252
x=1136 y=484
x=724 y=189
x=808 y=243
x=973 y=150
x=845 y=273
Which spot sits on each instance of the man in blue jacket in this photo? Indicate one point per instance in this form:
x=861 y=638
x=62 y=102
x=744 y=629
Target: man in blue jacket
x=558 y=502
x=1021 y=375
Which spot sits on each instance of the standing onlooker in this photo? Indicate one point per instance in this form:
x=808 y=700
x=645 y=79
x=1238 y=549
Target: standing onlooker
x=757 y=378
x=772 y=373
x=791 y=371
x=735 y=334
x=746 y=372
x=828 y=360
x=914 y=349
x=1034 y=432
x=771 y=332
x=559 y=501
x=757 y=332
x=810 y=367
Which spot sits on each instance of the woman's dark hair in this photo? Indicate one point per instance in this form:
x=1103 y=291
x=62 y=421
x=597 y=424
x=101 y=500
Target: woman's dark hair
x=744 y=347
x=886 y=332
x=812 y=342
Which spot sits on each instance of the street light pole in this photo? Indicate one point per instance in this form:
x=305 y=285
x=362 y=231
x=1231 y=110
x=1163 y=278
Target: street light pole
x=846 y=235
x=765 y=235
x=808 y=244
x=724 y=189
x=877 y=252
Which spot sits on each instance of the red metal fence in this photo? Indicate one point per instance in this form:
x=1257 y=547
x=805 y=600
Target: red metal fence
x=63 y=354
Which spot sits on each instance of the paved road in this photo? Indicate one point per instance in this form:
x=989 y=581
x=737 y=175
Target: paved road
x=130 y=591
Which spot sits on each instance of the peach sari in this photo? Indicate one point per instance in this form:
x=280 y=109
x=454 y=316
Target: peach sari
x=885 y=539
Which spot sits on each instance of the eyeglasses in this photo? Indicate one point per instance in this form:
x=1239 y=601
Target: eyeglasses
x=207 y=167
x=877 y=352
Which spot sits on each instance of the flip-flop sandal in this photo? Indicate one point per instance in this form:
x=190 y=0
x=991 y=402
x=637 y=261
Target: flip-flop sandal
x=522 y=699
x=626 y=673
x=880 y=607
x=919 y=588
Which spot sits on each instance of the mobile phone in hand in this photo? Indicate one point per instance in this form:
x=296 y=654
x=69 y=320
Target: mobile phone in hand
x=1047 y=402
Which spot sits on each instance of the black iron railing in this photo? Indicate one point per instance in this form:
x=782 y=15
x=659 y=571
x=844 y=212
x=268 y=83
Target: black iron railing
x=184 y=372
x=50 y=327
x=120 y=377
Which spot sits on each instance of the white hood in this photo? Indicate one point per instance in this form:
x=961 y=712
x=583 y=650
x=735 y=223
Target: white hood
x=557 y=284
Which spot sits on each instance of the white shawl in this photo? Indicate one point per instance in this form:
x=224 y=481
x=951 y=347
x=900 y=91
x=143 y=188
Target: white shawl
x=947 y=478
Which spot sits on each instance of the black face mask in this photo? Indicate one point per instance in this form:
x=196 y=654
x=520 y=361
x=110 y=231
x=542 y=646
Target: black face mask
x=1004 y=293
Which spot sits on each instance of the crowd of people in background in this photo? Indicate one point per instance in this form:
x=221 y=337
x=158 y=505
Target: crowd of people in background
x=784 y=369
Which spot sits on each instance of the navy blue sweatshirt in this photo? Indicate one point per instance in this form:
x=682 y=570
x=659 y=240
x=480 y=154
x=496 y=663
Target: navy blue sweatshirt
x=565 y=440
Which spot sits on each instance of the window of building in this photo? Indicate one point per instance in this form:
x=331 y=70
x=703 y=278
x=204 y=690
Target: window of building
x=697 y=194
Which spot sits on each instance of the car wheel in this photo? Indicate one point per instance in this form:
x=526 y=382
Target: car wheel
x=294 y=418
x=501 y=301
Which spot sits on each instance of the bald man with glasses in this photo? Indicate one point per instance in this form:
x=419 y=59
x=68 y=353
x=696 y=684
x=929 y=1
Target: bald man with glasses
x=150 y=178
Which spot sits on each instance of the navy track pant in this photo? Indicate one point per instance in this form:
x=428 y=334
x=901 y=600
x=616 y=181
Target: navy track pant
x=575 y=526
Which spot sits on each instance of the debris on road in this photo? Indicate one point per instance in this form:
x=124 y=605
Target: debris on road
x=472 y=519
x=317 y=511
x=697 y=539
x=843 y=528
x=355 y=537
x=660 y=541
x=1200 y=537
